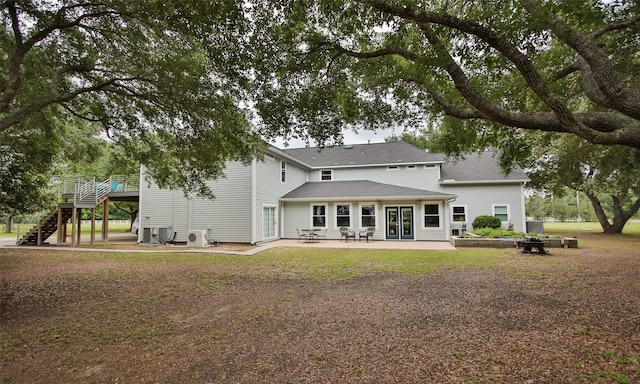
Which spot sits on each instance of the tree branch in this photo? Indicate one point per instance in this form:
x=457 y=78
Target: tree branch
x=614 y=27
x=24 y=46
x=535 y=81
x=616 y=94
x=30 y=109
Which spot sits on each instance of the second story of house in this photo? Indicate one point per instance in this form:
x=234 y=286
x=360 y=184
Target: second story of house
x=396 y=163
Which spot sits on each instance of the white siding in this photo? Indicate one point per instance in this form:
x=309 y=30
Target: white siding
x=479 y=200
x=270 y=188
x=227 y=218
x=420 y=178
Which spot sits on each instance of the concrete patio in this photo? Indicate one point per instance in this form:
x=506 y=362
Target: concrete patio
x=130 y=241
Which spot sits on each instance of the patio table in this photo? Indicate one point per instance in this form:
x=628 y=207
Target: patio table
x=312 y=234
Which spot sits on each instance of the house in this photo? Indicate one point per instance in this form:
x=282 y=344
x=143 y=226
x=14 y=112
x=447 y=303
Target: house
x=404 y=192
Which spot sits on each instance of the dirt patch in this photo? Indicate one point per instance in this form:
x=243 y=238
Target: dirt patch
x=567 y=318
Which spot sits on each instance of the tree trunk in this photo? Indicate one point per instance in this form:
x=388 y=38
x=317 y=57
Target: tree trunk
x=134 y=214
x=620 y=217
x=9 y=224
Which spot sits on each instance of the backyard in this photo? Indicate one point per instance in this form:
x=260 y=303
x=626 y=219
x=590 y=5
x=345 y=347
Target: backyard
x=307 y=316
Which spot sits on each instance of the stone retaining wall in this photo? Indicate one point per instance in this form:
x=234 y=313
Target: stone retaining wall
x=459 y=242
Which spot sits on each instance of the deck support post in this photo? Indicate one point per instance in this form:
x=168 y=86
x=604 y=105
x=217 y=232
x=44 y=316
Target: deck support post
x=93 y=225
x=73 y=226
x=79 y=225
x=105 y=221
x=60 y=231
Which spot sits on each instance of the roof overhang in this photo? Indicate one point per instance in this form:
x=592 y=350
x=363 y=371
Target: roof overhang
x=482 y=182
x=372 y=198
x=361 y=190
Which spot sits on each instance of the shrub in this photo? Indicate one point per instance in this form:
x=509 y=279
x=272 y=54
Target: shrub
x=496 y=233
x=486 y=222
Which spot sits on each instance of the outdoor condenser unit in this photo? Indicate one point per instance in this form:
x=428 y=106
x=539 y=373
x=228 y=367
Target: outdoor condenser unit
x=197 y=238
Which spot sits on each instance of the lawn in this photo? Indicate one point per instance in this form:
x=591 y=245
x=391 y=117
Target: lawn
x=85 y=229
x=306 y=316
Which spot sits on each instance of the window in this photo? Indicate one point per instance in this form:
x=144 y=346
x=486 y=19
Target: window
x=319 y=216
x=283 y=171
x=393 y=168
x=501 y=212
x=343 y=215
x=431 y=216
x=460 y=213
x=411 y=167
x=367 y=215
x=326 y=175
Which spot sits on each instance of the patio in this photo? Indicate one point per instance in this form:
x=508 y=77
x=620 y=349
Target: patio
x=129 y=241
x=387 y=244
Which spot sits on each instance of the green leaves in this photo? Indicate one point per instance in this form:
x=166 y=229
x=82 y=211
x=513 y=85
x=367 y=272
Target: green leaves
x=166 y=79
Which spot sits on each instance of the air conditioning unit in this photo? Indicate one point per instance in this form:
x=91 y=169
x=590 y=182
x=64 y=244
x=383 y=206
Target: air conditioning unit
x=197 y=239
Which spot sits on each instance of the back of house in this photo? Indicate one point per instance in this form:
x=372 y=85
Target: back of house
x=401 y=191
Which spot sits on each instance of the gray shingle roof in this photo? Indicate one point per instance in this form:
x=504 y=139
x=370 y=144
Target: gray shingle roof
x=478 y=167
x=358 y=190
x=398 y=152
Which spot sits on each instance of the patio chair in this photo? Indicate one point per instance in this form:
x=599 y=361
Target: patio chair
x=347 y=234
x=302 y=235
x=322 y=235
x=367 y=234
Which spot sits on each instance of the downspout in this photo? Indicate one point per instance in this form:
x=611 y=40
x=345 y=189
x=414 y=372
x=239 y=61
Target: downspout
x=523 y=209
x=253 y=200
x=448 y=217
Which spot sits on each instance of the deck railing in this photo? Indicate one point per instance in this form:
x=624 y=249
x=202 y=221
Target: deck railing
x=83 y=189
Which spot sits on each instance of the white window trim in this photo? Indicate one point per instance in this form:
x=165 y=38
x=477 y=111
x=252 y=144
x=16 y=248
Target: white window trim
x=466 y=214
x=493 y=210
x=375 y=211
x=324 y=170
x=326 y=215
x=393 y=168
x=335 y=214
x=411 y=167
x=283 y=171
x=440 y=219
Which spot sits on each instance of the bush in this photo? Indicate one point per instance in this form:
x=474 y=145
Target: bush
x=486 y=222
x=497 y=233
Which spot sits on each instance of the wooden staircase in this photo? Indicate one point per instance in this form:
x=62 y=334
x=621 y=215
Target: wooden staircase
x=84 y=195
x=48 y=226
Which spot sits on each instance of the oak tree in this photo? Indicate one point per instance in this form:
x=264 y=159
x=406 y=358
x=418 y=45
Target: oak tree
x=481 y=71
x=161 y=78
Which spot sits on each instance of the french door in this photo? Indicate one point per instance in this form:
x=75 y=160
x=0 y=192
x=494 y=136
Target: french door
x=399 y=223
x=268 y=222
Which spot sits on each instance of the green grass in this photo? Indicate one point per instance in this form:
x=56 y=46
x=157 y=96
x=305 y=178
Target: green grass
x=294 y=263
x=631 y=228
x=85 y=229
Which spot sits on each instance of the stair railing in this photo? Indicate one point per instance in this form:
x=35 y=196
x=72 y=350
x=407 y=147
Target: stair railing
x=103 y=189
x=84 y=189
x=28 y=222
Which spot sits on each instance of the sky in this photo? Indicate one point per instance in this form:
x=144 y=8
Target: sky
x=350 y=137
